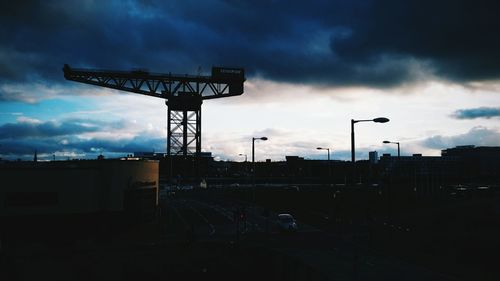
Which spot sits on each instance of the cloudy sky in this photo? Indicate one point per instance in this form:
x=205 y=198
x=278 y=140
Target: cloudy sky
x=432 y=67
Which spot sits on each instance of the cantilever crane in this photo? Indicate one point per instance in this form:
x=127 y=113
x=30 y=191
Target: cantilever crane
x=184 y=95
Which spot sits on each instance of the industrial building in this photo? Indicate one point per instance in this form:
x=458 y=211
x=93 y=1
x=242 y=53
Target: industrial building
x=78 y=194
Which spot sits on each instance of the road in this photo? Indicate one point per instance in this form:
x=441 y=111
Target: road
x=218 y=219
x=199 y=235
x=333 y=255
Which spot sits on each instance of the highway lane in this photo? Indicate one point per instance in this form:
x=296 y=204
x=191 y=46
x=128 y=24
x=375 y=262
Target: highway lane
x=344 y=255
x=220 y=218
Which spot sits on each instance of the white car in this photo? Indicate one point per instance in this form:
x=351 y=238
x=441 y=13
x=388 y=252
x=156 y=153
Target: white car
x=286 y=222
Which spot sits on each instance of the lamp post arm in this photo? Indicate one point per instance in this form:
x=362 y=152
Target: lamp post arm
x=362 y=120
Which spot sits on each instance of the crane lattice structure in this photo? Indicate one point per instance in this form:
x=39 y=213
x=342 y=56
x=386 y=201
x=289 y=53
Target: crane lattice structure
x=184 y=95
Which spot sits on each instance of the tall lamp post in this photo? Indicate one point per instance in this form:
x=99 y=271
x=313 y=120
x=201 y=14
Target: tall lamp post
x=329 y=165
x=376 y=120
x=253 y=149
x=394 y=142
x=253 y=161
x=353 y=149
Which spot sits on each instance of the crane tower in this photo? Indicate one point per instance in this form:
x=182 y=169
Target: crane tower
x=184 y=95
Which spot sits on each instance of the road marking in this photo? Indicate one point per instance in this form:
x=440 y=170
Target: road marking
x=180 y=216
x=224 y=212
x=212 y=228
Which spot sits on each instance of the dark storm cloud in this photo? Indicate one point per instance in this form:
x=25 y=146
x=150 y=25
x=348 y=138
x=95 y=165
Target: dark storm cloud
x=324 y=43
x=480 y=112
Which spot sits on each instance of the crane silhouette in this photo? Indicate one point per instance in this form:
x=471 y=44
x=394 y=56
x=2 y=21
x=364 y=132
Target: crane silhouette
x=184 y=95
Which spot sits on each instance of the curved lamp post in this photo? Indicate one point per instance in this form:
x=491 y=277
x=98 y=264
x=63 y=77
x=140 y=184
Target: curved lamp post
x=353 y=149
x=376 y=120
x=394 y=142
x=322 y=148
x=329 y=165
x=253 y=147
x=241 y=154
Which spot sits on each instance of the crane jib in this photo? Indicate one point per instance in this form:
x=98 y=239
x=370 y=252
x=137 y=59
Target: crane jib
x=224 y=82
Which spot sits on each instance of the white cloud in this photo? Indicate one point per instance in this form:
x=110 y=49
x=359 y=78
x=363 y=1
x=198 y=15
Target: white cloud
x=308 y=118
x=280 y=143
x=28 y=120
x=480 y=136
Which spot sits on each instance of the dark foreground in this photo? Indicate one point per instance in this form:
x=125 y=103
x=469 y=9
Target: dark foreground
x=232 y=234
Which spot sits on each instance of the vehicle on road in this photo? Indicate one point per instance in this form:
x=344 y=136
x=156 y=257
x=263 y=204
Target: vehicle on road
x=287 y=223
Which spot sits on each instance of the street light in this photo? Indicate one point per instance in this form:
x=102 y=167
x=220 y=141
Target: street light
x=253 y=162
x=241 y=154
x=353 y=149
x=377 y=120
x=394 y=142
x=322 y=148
x=253 y=147
x=245 y=165
x=329 y=165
